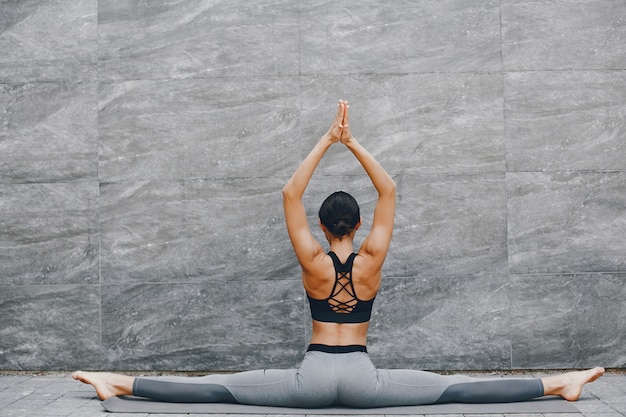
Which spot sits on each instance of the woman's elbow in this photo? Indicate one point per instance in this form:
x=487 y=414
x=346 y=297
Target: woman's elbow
x=390 y=189
x=288 y=192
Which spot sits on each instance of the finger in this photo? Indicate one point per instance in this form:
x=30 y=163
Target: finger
x=342 y=104
x=345 y=120
x=340 y=113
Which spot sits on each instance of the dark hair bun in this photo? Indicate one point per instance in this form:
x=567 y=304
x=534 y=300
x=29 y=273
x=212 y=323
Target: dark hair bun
x=340 y=213
x=341 y=228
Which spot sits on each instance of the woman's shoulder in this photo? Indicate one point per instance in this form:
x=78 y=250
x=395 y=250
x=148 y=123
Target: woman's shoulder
x=368 y=259
x=320 y=272
x=366 y=276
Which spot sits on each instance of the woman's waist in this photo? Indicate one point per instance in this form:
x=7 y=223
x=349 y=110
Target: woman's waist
x=318 y=347
x=336 y=334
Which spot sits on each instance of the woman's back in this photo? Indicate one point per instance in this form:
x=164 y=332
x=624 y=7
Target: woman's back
x=341 y=302
x=365 y=278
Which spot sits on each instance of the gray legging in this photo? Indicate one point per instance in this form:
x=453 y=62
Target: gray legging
x=346 y=379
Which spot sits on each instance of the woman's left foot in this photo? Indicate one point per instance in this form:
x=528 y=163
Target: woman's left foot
x=107 y=385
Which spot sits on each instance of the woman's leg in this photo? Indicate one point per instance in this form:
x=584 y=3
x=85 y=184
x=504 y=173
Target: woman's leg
x=362 y=385
x=310 y=385
x=460 y=389
x=181 y=389
x=262 y=387
x=501 y=390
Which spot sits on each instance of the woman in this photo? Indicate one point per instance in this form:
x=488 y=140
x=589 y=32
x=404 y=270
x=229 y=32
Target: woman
x=341 y=286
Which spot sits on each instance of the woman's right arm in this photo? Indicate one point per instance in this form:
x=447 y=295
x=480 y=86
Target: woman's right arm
x=307 y=249
x=377 y=242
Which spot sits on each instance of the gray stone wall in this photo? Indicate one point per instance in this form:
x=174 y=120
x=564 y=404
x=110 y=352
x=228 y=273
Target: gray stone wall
x=143 y=146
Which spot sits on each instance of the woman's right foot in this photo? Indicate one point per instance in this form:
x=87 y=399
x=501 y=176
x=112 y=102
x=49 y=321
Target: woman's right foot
x=569 y=386
x=107 y=385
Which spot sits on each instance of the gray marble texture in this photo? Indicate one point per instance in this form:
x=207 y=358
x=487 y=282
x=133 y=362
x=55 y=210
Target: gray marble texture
x=563 y=35
x=207 y=326
x=574 y=318
x=48 y=41
x=197 y=39
x=399 y=36
x=143 y=146
x=565 y=120
x=50 y=326
x=49 y=233
x=415 y=123
x=439 y=322
x=49 y=132
x=566 y=222
x=194 y=231
x=199 y=128
x=452 y=225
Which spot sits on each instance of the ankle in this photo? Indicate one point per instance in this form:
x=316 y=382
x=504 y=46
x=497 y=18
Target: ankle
x=553 y=385
x=121 y=384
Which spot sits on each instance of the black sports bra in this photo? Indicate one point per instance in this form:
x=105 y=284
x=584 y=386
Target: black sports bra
x=332 y=310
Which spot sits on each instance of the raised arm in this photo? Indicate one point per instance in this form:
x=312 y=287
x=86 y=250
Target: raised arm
x=376 y=244
x=306 y=247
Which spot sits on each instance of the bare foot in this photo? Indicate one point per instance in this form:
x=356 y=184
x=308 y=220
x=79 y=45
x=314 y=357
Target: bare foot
x=107 y=385
x=569 y=386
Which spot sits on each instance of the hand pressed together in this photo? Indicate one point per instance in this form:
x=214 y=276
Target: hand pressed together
x=339 y=130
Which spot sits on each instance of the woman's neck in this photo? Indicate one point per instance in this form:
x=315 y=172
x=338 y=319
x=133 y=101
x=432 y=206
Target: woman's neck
x=342 y=247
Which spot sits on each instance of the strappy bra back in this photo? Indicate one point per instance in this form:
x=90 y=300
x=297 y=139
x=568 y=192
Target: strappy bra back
x=342 y=305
